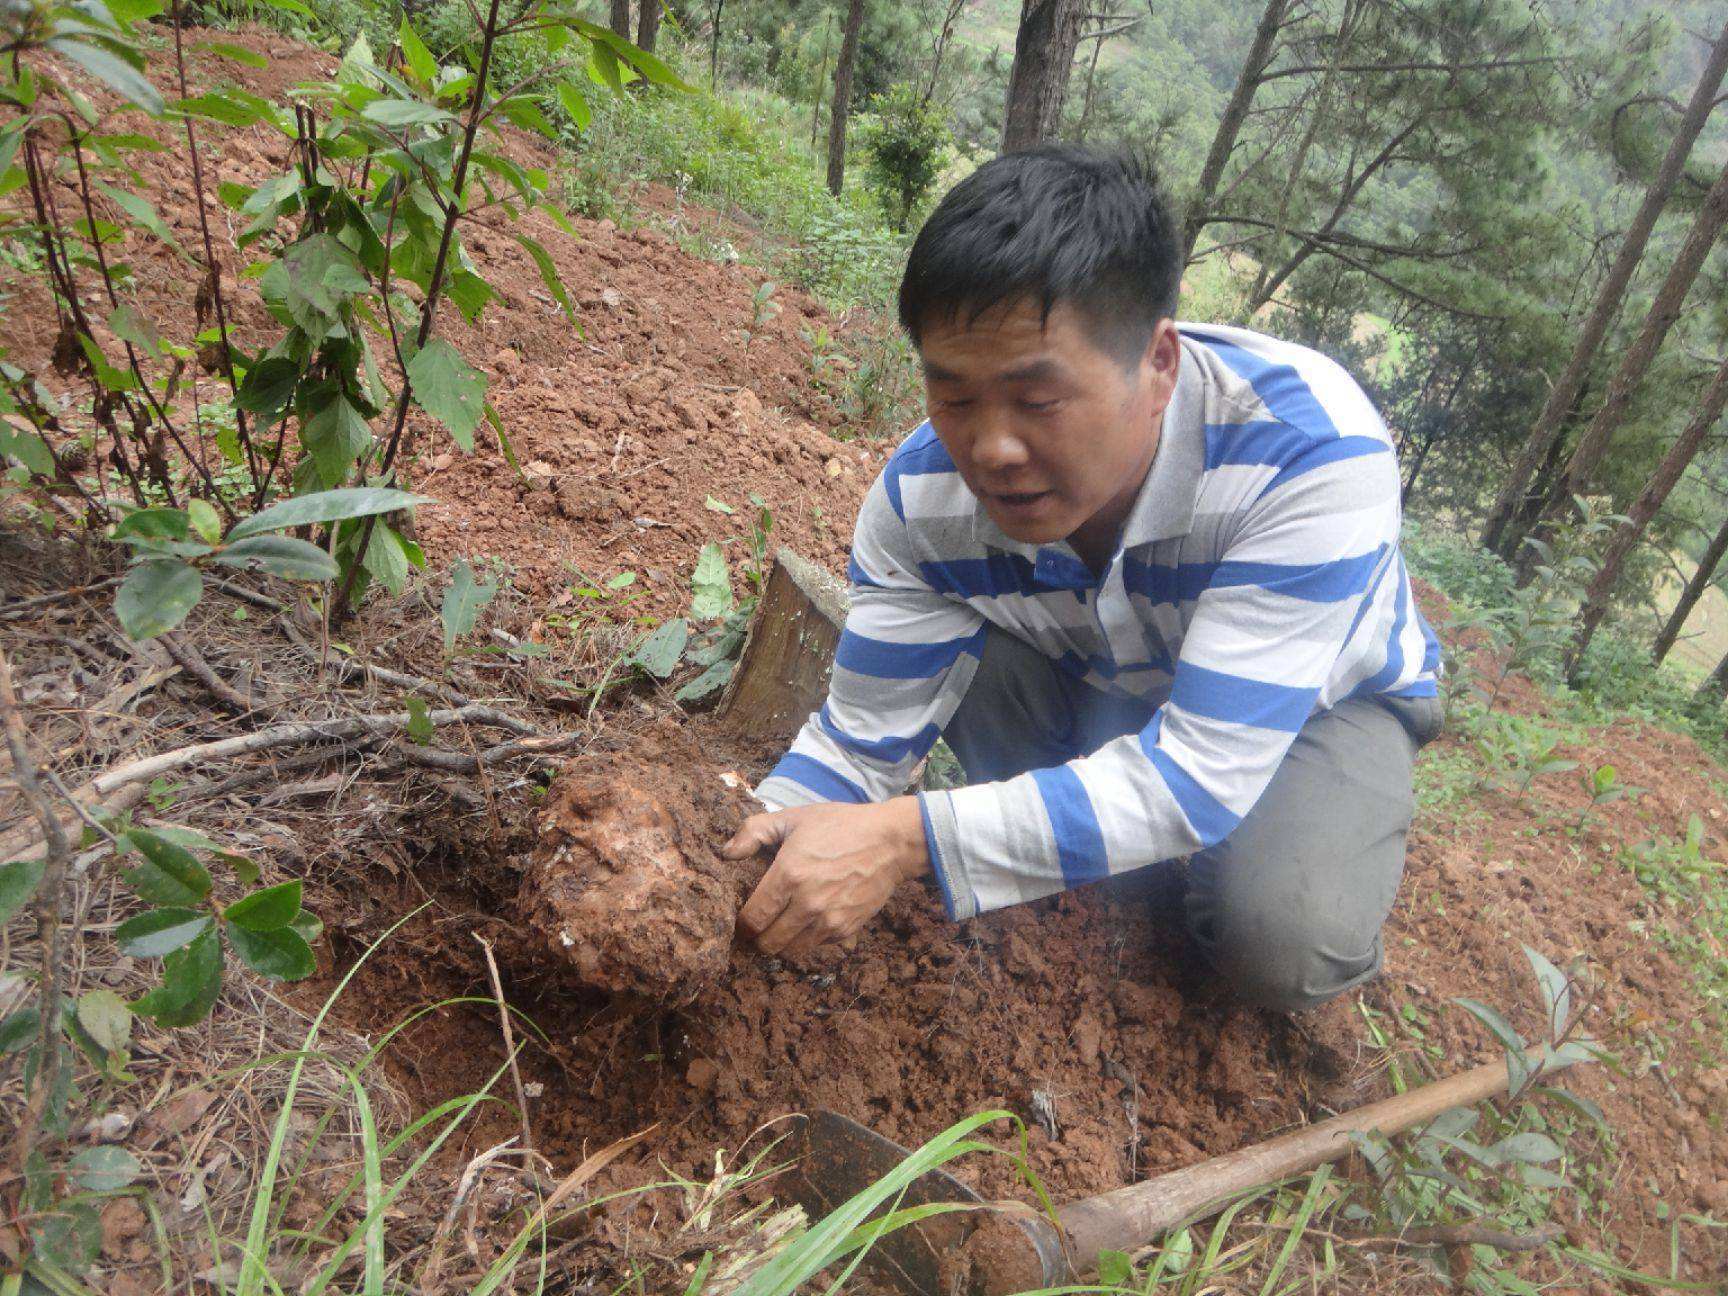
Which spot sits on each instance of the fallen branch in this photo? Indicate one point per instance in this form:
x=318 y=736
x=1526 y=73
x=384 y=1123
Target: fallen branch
x=1473 y=1233
x=48 y=901
x=58 y=596
x=189 y=660
x=96 y=792
x=440 y=758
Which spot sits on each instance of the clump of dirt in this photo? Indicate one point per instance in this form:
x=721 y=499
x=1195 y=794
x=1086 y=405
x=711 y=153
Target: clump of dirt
x=625 y=884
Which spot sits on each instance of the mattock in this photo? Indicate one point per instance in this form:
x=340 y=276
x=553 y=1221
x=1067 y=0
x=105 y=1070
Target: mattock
x=1004 y=1247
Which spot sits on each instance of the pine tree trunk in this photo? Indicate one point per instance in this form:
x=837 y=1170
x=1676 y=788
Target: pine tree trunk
x=821 y=79
x=648 y=25
x=621 y=17
x=1694 y=591
x=1713 y=688
x=1664 y=311
x=1651 y=498
x=1043 y=62
x=1230 y=124
x=714 y=45
x=1551 y=422
x=840 y=107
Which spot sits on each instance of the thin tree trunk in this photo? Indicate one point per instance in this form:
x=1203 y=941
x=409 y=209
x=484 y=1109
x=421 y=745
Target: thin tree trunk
x=1701 y=580
x=1552 y=420
x=648 y=25
x=1091 y=85
x=841 y=105
x=621 y=16
x=1651 y=498
x=714 y=46
x=1043 y=62
x=1230 y=124
x=821 y=79
x=1706 y=229
x=1713 y=688
x=943 y=37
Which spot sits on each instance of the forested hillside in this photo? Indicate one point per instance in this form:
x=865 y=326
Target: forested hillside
x=431 y=436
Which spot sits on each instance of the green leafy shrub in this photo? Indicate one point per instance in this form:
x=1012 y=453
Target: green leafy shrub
x=907 y=141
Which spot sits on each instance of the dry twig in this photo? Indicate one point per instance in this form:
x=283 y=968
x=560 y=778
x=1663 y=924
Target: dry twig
x=509 y=1039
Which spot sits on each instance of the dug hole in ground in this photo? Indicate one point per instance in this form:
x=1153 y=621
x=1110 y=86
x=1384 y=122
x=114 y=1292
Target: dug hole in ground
x=610 y=912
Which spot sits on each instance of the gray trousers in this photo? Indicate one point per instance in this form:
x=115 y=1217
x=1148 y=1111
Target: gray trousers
x=1287 y=908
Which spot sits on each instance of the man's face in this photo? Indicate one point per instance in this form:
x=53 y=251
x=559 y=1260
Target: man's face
x=1051 y=433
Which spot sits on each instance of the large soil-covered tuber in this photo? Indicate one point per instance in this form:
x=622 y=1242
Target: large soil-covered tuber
x=627 y=885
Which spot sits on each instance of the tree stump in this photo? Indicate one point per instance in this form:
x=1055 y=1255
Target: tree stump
x=782 y=673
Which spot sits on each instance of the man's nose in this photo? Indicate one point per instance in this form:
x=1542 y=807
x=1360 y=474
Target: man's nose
x=996 y=446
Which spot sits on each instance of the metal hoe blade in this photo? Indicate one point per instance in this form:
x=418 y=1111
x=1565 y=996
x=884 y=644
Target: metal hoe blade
x=841 y=1158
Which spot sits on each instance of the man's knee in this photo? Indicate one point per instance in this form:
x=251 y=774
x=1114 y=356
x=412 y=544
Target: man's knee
x=1275 y=957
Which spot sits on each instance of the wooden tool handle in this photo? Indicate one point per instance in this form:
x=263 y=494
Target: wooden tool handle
x=1129 y=1217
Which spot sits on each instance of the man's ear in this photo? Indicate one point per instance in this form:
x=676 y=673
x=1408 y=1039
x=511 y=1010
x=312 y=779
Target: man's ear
x=1162 y=359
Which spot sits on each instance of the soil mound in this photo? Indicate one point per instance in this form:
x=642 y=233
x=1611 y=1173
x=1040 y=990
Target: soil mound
x=626 y=886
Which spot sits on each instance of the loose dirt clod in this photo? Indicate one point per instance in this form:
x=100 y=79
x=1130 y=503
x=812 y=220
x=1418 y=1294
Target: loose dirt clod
x=626 y=884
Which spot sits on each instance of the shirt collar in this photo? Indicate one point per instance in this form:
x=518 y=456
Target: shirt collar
x=1164 y=508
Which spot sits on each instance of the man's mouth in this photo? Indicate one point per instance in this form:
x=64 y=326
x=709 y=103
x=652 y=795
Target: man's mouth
x=1019 y=500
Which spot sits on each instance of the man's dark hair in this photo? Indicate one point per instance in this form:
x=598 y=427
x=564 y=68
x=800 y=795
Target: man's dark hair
x=1050 y=224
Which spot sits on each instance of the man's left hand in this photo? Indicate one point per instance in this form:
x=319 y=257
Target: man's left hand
x=835 y=867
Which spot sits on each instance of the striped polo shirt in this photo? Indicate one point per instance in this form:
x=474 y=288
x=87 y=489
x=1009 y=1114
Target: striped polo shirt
x=1256 y=583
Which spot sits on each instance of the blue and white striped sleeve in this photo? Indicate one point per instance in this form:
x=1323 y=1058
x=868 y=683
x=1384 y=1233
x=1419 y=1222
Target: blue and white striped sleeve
x=1281 y=606
x=906 y=657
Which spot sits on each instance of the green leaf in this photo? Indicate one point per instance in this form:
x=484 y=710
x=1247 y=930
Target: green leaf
x=450 y=389
x=268 y=386
x=18 y=1029
x=281 y=955
x=280 y=556
x=266 y=910
x=1518 y=1065
x=133 y=11
x=191 y=981
x=156 y=596
x=154 y=524
x=104 y=1169
x=234 y=53
x=336 y=435
x=132 y=327
x=548 y=275
x=711 y=585
x=404 y=112
x=419 y=721
x=308 y=925
x=1556 y=991
x=1115 y=1269
x=27 y=446
x=140 y=210
x=206 y=521
x=386 y=558
x=161 y=931
x=708 y=682
x=524 y=112
x=69 y=1235
x=718 y=506
x=504 y=445
x=462 y=602
x=106 y=1018
x=575 y=105
x=659 y=652
x=415 y=53
x=18 y=882
x=217 y=106
x=170 y=874
x=1529 y=1147
x=326 y=506
x=114 y=71
x=470 y=292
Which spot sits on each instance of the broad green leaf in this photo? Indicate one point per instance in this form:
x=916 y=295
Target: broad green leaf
x=308 y=925
x=313 y=280
x=711 y=586
x=281 y=556
x=206 y=521
x=1518 y=1065
x=69 y=1235
x=132 y=327
x=659 y=652
x=336 y=436
x=470 y=292
x=450 y=389
x=548 y=275
x=524 y=112
x=169 y=875
x=154 y=524
x=268 y=387
x=191 y=981
x=234 y=53
x=1115 y=1268
x=575 y=104
x=709 y=682
x=228 y=109
x=140 y=210
x=19 y=1029
x=1531 y=1147
x=106 y=1018
x=109 y=68
x=1455 y=1123
x=404 y=112
x=266 y=910
x=27 y=446
x=386 y=558
x=415 y=53
x=134 y=11
x=1576 y=1102
x=623 y=580
x=18 y=882
x=156 y=596
x=281 y=954
x=104 y=1169
x=462 y=603
x=419 y=721
x=325 y=506
x=161 y=931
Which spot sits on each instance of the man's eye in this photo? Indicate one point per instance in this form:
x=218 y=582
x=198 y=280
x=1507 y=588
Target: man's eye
x=958 y=403
x=1039 y=407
